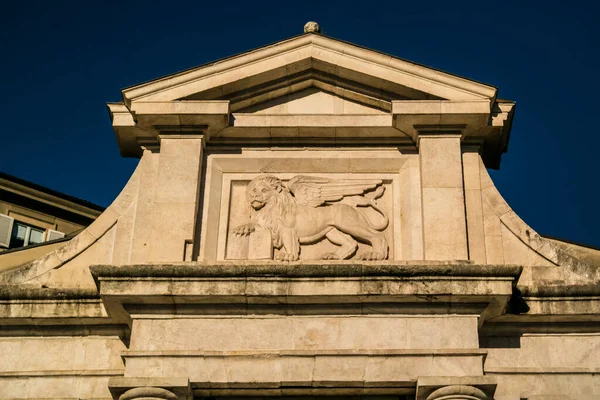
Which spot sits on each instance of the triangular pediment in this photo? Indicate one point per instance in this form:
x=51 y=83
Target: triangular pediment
x=313 y=100
x=295 y=64
x=312 y=86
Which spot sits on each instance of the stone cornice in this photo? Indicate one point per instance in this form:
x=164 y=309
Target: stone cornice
x=478 y=122
x=143 y=289
x=331 y=287
x=25 y=292
x=306 y=270
x=307 y=46
x=561 y=291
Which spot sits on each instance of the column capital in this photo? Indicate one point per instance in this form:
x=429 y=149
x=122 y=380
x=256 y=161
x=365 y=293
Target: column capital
x=182 y=135
x=148 y=392
x=150 y=388
x=456 y=388
x=457 y=392
x=437 y=133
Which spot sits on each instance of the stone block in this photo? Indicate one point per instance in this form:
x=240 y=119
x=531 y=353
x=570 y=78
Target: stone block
x=548 y=385
x=305 y=333
x=444 y=224
x=178 y=180
x=52 y=387
x=172 y=225
x=441 y=164
x=216 y=334
x=548 y=352
x=143 y=221
x=14 y=388
x=121 y=253
x=450 y=332
x=475 y=226
x=330 y=370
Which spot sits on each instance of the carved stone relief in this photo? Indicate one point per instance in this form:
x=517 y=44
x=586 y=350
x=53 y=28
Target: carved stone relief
x=289 y=216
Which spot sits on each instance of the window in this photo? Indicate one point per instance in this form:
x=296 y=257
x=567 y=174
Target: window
x=25 y=235
x=14 y=234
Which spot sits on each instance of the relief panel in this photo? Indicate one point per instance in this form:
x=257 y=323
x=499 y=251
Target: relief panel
x=310 y=217
x=291 y=205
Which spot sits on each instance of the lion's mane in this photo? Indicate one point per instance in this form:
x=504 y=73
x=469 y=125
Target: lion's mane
x=274 y=212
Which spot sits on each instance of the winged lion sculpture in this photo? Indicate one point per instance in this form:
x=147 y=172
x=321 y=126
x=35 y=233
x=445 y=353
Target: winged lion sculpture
x=307 y=209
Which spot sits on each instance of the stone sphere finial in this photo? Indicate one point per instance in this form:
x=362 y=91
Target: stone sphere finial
x=312 y=26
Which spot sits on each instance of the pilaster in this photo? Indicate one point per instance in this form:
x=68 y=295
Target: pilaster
x=444 y=224
x=177 y=192
x=168 y=199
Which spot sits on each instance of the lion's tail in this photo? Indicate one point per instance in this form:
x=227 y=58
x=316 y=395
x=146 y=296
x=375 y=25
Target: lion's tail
x=370 y=202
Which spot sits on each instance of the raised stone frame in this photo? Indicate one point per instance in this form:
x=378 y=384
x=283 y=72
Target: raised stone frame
x=400 y=170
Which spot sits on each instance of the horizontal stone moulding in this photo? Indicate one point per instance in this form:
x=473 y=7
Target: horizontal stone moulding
x=308 y=372
x=61 y=373
x=178 y=286
x=308 y=269
x=261 y=306
x=307 y=353
x=542 y=371
x=328 y=389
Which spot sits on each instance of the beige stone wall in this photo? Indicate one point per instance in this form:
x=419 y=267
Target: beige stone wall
x=154 y=219
x=546 y=364
x=59 y=367
x=179 y=209
x=303 y=349
x=443 y=207
x=401 y=332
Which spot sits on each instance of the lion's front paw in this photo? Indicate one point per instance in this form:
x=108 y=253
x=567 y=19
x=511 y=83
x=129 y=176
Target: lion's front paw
x=244 y=230
x=371 y=256
x=283 y=256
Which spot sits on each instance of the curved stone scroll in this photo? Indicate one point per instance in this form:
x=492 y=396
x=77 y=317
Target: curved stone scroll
x=540 y=245
x=30 y=272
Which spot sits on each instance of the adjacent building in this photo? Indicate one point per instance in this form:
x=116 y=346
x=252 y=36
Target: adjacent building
x=307 y=219
x=34 y=219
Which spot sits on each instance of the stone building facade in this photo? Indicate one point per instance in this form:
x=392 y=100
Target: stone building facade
x=51 y=214
x=307 y=219
x=35 y=220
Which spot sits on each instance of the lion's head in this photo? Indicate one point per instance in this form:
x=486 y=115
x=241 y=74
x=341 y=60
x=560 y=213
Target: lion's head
x=264 y=189
x=271 y=200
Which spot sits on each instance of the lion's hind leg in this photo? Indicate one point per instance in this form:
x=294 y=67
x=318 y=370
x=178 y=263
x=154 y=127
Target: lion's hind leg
x=347 y=245
x=380 y=249
x=357 y=225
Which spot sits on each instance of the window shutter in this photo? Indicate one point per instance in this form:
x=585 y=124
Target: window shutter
x=6 y=224
x=52 y=235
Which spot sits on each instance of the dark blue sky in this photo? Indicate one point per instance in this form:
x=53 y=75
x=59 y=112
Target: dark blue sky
x=63 y=60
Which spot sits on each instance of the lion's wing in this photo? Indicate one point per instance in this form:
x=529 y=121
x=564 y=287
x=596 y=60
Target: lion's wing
x=315 y=191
